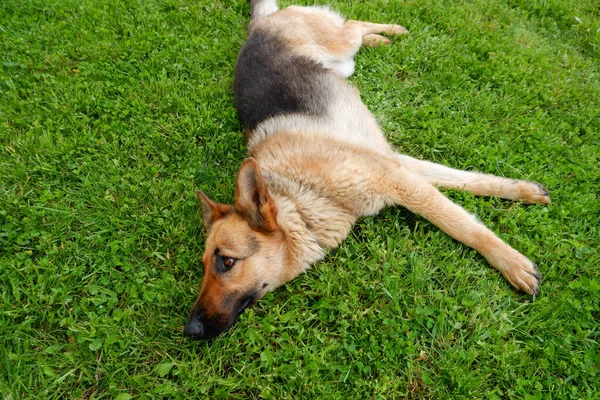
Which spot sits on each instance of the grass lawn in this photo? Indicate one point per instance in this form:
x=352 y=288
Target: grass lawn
x=113 y=113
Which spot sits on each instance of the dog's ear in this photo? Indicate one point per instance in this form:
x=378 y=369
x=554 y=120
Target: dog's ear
x=211 y=211
x=252 y=199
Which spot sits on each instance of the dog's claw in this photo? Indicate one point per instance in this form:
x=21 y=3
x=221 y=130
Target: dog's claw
x=543 y=190
x=538 y=277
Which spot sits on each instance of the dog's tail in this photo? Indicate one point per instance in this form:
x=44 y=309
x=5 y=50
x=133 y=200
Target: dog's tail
x=261 y=8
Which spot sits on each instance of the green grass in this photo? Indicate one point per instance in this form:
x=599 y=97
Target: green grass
x=112 y=114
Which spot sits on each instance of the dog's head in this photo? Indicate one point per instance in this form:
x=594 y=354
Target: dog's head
x=244 y=257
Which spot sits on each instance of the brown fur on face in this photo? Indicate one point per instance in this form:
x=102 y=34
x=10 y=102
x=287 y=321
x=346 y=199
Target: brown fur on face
x=247 y=233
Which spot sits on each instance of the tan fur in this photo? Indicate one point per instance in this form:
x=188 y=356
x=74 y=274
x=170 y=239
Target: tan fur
x=310 y=177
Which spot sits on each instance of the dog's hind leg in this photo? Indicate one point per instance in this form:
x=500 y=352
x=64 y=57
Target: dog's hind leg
x=357 y=33
x=324 y=36
x=370 y=28
x=409 y=190
x=477 y=183
x=344 y=42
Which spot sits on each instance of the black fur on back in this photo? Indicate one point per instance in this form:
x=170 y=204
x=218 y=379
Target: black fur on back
x=270 y=80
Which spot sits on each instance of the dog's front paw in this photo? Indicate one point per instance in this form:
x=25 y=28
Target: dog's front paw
x=523 y=275
x=533 y=192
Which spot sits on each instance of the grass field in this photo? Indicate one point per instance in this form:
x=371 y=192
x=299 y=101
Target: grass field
x=113 y=113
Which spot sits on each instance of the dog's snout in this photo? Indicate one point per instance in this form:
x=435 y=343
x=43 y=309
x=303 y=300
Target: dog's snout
x=205 y=323
x=194 y=328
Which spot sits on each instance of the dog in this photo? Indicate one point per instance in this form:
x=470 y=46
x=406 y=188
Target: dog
x=318 y=160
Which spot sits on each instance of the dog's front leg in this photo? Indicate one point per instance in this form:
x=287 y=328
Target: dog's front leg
x=421 y=197
x=477 y=183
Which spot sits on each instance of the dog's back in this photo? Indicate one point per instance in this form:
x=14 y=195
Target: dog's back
x=290 y=77
x=271 y=80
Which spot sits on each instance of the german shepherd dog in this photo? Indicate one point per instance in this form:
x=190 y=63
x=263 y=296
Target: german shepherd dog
x=318 y=161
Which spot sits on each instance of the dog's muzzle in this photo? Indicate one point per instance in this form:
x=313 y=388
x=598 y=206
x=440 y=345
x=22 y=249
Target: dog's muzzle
x=194 y=327
x=202 y=326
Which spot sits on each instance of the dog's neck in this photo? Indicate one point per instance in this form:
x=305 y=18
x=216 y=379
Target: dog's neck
x=302 y=245
x=312 y=223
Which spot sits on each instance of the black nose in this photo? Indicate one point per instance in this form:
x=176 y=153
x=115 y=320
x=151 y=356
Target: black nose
x=194 y=328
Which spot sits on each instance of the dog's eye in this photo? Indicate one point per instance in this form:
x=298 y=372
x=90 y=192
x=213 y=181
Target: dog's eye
x=224 y=263
x=229 y=262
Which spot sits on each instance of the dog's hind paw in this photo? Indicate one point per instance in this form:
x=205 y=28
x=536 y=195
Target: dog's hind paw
x=397 y=30
x=374 y=40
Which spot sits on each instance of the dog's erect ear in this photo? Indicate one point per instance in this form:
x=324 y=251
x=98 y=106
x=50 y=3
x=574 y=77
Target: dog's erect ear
x=211 y=211
x=252 y=199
